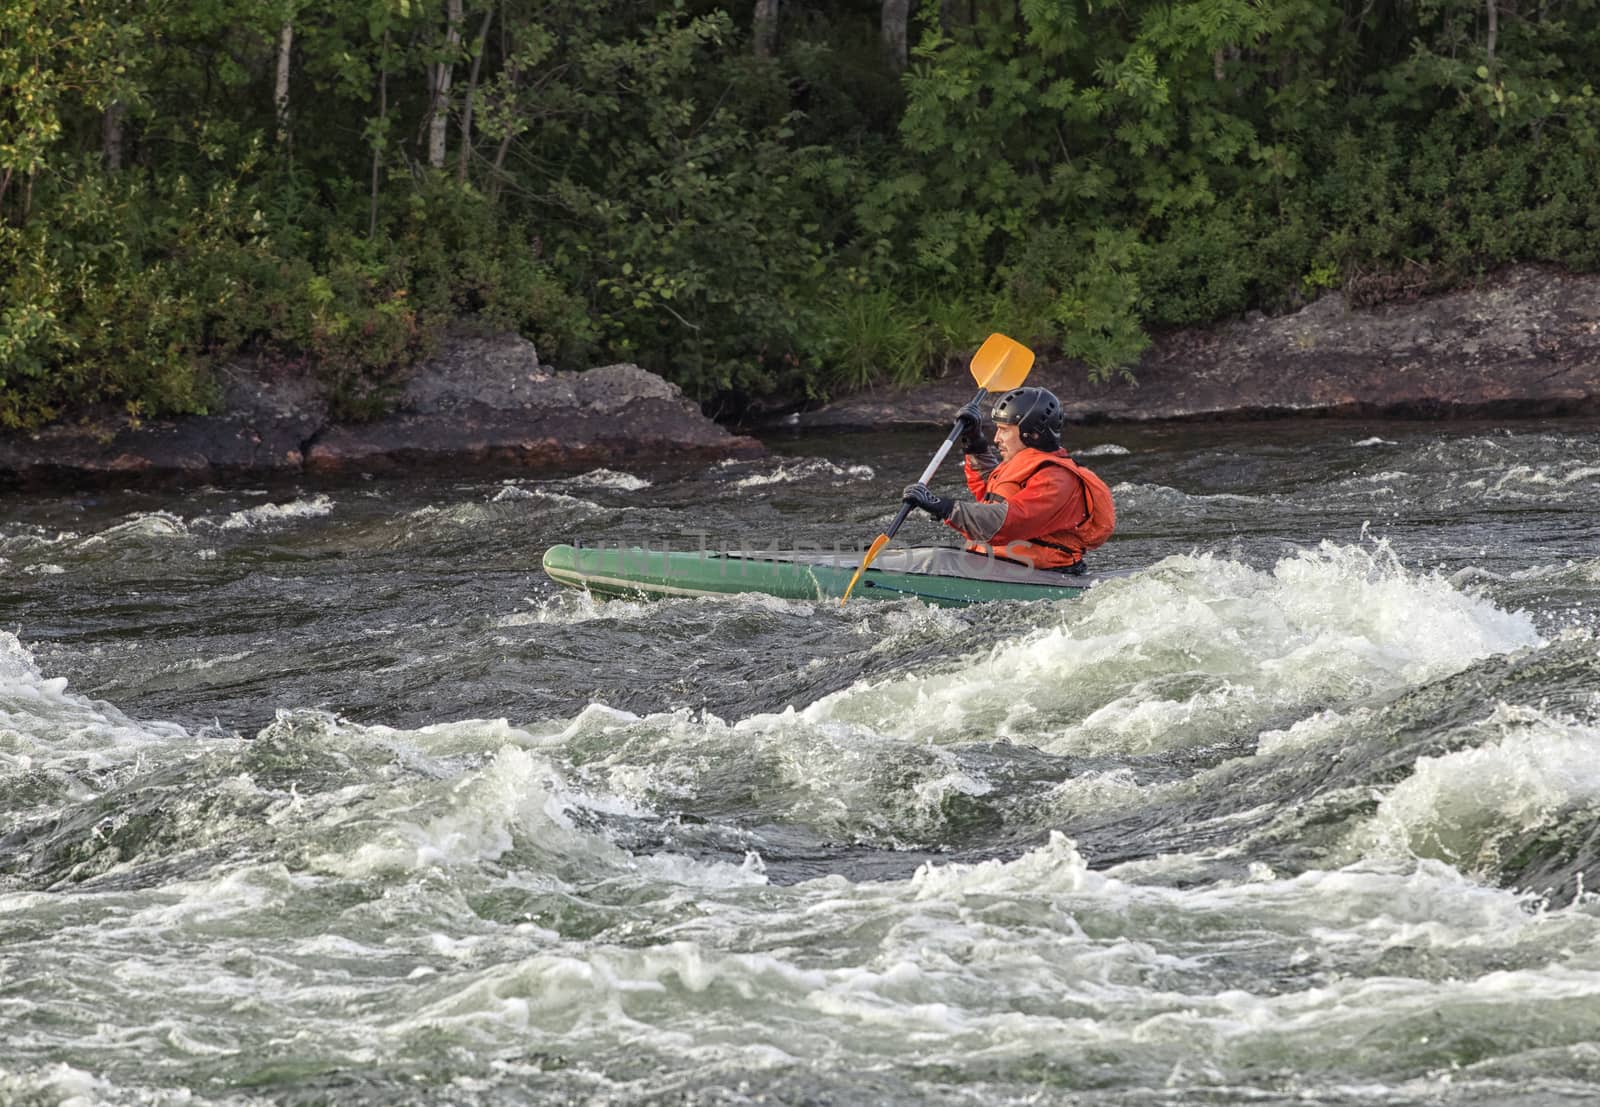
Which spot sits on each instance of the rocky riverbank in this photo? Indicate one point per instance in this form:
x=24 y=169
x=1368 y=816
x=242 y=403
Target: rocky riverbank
x=479 y=401
x=1525 y=342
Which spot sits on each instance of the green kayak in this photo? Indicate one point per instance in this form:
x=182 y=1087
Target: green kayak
x=936 y=575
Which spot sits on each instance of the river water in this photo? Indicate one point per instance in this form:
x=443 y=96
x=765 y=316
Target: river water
x=322 y=794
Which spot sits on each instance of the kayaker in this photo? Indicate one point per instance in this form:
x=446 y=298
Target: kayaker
x=1034 y=503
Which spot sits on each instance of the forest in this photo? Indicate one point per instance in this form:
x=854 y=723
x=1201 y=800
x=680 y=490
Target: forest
x=766 y=201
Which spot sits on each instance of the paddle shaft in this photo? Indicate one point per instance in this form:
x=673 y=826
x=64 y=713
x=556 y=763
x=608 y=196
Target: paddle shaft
x=933 y=466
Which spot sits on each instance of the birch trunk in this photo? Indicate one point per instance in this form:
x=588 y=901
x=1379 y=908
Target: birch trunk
x=439 y=119
x=280 y=88
x=111 y=134
x=895 y=15
x=764 y=29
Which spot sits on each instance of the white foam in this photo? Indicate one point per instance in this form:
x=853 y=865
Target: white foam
x=793 y=470
x=672 y=868
x=34 y=538
x=540 y=499
x=142 y=526
x=60 y=1085
x=571 y=607
x=1310 y=731
x=835 y=778
x=1524 y=771
x=1544 y=481
x=1054 y=867
x=1189 y=652
x=1090 y=792
x=475 y=818
x=272 y=513
x=563 y=994
x=510 y=493
x=45 y=725
x=1105 y=449
x=610 y=478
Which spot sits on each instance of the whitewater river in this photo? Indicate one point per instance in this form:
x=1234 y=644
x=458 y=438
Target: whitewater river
x=324 y=795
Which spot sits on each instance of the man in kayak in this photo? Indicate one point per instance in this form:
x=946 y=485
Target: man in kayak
x=1034 y=503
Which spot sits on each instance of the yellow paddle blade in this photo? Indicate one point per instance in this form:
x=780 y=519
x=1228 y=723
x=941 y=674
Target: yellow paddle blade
x=873 y=551
x=1001 y=364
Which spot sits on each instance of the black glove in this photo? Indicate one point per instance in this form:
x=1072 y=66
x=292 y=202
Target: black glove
x=973 y=440
x=917 y=495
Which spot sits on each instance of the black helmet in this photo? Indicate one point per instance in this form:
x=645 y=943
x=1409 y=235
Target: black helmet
x=1036 y=413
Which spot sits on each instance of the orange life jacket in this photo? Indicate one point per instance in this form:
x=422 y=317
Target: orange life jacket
x=1059 y=532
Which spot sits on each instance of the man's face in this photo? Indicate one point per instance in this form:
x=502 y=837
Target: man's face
x=1008 y=440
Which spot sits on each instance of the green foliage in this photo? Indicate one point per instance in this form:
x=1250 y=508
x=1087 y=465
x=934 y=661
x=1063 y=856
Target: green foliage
x=1201 y=269
x=107 y=297
x=699 y=239
x=1101 y=306
x=957 y=325
x=868 y=335
x=57 y=57
x=637 y=185
x=467 y=262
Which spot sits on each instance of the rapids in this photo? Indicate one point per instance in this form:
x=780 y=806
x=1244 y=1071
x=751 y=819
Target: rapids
x=322 y=794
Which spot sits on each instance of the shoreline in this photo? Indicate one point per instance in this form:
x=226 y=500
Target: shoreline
x=1522 y=344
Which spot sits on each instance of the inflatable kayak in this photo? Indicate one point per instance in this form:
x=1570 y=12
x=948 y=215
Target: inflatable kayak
x=936 y=575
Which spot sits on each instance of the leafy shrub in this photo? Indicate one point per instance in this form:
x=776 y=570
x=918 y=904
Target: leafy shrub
x=870 y=335
x=97 y=311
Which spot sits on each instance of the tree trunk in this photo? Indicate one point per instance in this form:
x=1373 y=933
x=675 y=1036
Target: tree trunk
x=895 y=15
x=111 y=133
x=764 y=29
x=381 y=139
x=467 y=101
x=18 y=216
x=280 y=94
x=1494 y=27
x=439 y=119
x=496 y=173
x=954 y=13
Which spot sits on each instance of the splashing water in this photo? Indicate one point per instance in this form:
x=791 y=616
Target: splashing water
x=358 y=808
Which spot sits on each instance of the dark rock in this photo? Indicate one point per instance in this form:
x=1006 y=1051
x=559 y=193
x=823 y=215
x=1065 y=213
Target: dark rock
x=1526 y=342
x=481 y=400
x=647 y=429
x=488 y=401
x=499 y=371
x=267 y=416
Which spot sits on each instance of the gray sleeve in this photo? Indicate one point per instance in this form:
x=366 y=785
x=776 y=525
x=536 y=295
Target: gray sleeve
x=985 y=462
x=980 y=522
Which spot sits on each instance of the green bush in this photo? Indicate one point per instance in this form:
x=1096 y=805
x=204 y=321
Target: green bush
x=867 y=336
x=107 y=298
x=130 y=293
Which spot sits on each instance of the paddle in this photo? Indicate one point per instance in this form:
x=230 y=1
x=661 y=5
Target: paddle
x=1000 y=365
